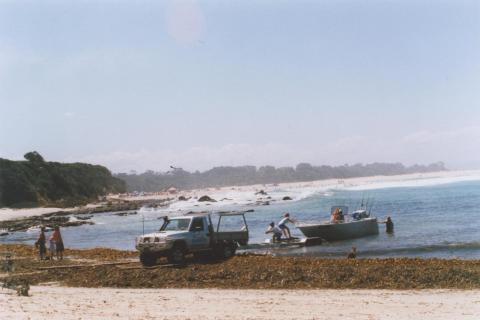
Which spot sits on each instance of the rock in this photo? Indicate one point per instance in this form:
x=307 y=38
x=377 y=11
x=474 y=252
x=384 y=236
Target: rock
x=286 y=198
x=76 y=223
x=206 y=199
x=127 y=213
x=182 y=198
x=84 y=217
x=262 y=192
x=58 y=220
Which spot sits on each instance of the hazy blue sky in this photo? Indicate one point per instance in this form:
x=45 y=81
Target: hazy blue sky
x=144 y=84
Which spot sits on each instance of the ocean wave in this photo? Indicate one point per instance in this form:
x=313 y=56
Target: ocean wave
x=413 y=182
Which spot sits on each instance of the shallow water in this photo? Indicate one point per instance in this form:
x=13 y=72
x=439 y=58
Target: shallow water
x=440 y=221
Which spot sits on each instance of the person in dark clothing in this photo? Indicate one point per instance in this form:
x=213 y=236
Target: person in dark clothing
x=41 y=244
x=389 y=225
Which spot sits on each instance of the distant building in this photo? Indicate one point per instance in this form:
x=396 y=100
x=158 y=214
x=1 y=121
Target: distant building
x=172 y=190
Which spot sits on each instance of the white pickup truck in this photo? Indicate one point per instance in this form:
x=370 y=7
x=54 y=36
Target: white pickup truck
x=193 y=233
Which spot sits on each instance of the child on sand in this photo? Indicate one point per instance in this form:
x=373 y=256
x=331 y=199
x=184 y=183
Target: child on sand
x=51 y=247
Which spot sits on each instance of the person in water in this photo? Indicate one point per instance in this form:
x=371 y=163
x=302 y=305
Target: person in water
x=277 y=232
x=59 y=248
x=41 y=244
x=283 y=225
x=389 y=225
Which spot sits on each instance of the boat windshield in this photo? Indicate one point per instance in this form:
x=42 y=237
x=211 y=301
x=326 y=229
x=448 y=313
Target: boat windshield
x=175 y=225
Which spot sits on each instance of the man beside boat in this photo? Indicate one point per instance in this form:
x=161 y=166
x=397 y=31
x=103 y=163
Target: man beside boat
x=388 y=225
x=283 y=225
x=277 y=232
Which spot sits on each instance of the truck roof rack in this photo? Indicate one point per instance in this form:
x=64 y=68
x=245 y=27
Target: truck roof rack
x=231 y=213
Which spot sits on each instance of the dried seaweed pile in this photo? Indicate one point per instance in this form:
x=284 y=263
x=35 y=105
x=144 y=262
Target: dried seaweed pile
x=103 y=254
x=265 y=272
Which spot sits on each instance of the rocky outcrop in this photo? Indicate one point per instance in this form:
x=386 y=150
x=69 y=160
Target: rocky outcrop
x=206 y=199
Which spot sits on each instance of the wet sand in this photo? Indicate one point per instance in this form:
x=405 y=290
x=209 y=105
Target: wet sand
x=47 y=302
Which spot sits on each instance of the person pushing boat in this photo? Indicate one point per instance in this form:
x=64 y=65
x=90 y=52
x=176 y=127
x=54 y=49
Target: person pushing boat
x=277 y=232
x=388 y=225
x=283 y=225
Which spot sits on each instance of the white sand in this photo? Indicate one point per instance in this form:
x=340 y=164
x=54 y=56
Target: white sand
x=81 y=303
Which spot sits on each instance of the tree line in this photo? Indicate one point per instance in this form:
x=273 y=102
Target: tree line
x=35 y=182
x=151 y=181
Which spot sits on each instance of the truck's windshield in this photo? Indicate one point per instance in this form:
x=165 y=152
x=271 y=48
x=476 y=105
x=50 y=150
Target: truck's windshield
x=175 y=225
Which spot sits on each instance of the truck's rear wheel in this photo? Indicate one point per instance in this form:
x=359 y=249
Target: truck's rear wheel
x=226 y=250
x=147 y=259
x=177 y=255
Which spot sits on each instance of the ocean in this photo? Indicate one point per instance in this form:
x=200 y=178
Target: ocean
x=431 y=221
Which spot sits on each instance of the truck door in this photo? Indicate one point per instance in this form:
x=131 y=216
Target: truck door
x=200 y=234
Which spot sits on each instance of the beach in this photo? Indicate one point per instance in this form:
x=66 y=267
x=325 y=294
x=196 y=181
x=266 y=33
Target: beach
x=111 y=284
x=54 y=302
x=103 y=283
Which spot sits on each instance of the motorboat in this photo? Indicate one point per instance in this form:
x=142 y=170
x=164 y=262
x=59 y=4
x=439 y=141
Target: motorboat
x=358 y=224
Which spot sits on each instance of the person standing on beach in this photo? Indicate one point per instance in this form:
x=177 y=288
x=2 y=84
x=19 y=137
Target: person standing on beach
x=41 y=244
x=283 y=225
x=59 y=248
x=51 y=247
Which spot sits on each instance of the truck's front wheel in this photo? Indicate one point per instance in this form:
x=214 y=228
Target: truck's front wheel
x=147 y=259
x=177 y=255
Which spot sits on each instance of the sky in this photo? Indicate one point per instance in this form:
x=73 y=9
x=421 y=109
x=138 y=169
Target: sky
x=138 y=85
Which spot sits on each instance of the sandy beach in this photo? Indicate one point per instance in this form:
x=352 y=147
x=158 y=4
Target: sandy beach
x=51 y=302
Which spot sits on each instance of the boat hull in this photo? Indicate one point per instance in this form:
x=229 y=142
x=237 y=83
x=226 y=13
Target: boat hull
x=341 y=231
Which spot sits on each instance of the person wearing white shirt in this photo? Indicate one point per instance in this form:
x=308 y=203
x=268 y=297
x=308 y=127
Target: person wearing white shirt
x=277 y=232
x=283 y=225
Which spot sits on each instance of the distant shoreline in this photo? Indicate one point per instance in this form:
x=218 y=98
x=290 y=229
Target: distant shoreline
x=242 y=195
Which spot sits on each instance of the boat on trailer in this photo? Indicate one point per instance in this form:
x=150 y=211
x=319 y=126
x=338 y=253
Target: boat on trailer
x=355 y=225
x=294 y=241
